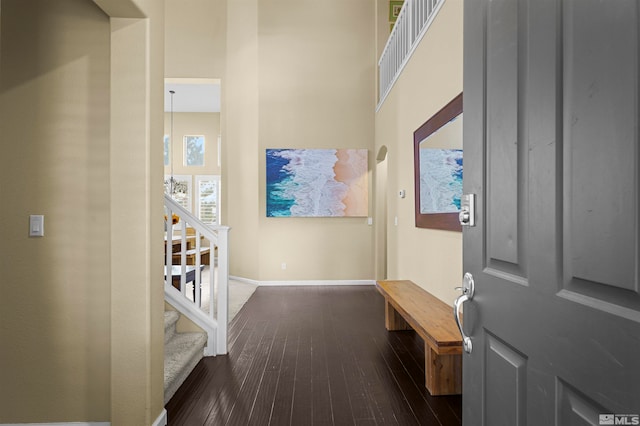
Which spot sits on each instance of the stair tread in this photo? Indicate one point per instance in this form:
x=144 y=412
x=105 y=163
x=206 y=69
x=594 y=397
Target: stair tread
x=182 y=343
x=170 y=318
x=182 y=352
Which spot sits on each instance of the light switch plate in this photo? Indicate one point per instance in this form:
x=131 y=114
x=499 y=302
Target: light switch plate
x=36 y=225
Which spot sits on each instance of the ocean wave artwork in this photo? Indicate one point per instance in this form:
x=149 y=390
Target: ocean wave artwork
x=317 y=182
x=440 y=180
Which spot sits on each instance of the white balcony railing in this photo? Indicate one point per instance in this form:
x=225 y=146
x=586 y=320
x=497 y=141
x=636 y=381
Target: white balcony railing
x=187 y=255
x=413 y=22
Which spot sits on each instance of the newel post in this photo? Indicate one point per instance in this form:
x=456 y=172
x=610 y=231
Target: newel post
x=223 y=289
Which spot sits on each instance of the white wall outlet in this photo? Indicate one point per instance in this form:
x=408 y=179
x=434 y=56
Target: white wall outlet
x=283 y=266
x=369 y=221
x=402 y=193
x=36 y=225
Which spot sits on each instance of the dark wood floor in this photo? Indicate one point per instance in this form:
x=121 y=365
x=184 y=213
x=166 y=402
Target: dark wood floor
x=313 y=356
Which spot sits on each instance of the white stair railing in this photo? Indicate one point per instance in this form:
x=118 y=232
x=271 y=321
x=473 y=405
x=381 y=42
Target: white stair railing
x=413 y=22
x=213 y=317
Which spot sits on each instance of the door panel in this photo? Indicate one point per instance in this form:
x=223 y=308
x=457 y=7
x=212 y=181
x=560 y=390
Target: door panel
x=502 y=135
x=551 y=151
x=574 y=408
x=600 y=136
x=506 y=379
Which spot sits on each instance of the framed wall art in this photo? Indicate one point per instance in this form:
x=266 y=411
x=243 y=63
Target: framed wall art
x=316 y=182
x=438 y=168
x=395 y=6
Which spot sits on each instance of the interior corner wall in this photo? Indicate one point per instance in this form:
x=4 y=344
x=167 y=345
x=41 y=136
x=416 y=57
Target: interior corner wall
x=240 y=159
x=316 y=90
x=155 y=11
x=294 y=75
x=383 y=26
x=432 y=78
x=137 y=86
x=55 y=289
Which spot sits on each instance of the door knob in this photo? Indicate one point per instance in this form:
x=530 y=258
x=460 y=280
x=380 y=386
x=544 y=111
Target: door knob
x=467 y=215
x=464 y=217
x=468 y=290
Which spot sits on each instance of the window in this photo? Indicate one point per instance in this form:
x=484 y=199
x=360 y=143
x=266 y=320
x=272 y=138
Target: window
x=166 y=150
x=194 y=150
x=208 y=199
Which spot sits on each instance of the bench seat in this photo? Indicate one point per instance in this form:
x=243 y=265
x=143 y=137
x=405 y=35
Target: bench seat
x=410 y=307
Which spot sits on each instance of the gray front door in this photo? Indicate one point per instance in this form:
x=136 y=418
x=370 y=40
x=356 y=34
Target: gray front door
x=551 y=93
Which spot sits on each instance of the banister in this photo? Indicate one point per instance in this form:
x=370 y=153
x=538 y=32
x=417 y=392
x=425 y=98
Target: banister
x=206 y=230
x=214 y=322
x=412 y=23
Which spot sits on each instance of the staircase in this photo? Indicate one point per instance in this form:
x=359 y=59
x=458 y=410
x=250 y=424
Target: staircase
x=182 y=351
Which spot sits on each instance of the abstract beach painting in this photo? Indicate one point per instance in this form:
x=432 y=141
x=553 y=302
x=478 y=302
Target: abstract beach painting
x=440 y=180
x=317 y=182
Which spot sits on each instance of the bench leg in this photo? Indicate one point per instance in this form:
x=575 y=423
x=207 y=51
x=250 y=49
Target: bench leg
x=393 y=320
x=443 y=372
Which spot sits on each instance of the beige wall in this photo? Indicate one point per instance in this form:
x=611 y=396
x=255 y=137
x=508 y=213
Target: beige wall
x=137 y=301
x=79 y=343
x=293 y=77
x=54 y=309
x=299 y=77
x=303 y=77
x=239 y=117
x=382 y=25
x=431 y=258
x=196 y=44
x=80 y=321
x=196 y=39
x=193 y=123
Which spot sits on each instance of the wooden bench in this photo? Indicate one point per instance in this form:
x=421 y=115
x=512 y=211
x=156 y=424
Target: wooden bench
x=408 y=306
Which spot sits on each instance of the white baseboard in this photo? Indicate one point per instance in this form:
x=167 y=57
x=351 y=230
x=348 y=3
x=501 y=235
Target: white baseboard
x=303 y=282
x=59 y=424
x=244 y=280
x=162 y=419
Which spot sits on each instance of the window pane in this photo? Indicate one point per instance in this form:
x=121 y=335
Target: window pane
x=208 y=193
x=207 y=198
x=194 y=150
x=166 y=150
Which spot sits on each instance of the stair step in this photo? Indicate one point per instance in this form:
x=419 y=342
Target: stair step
x=182 y=351
x=170 y=320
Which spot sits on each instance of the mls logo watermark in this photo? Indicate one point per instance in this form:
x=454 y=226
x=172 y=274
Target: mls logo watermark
x=619 y=419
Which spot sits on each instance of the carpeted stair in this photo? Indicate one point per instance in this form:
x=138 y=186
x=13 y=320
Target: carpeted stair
x=182 y=351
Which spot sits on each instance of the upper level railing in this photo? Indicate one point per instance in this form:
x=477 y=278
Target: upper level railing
x=188 y=253
x=413 y=22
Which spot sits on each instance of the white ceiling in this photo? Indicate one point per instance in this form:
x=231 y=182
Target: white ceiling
x=192 y=95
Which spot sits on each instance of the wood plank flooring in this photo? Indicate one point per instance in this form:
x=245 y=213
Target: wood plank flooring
x=313 y=355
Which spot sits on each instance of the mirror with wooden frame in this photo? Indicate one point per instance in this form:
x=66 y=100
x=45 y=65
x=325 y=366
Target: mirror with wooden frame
x=437 y=147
